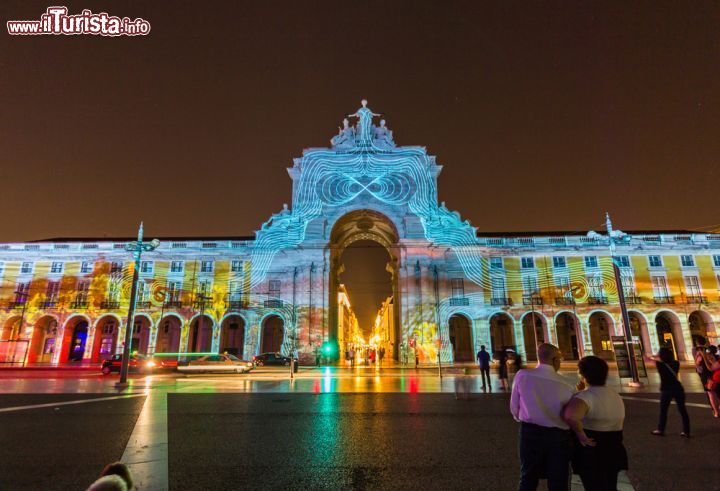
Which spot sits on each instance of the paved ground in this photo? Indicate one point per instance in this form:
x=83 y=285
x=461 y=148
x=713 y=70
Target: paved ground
x=326 y=429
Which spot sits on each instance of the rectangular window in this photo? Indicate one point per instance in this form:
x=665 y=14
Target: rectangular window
x=716 y=261
x=530 y=286
x=274 y=288
x=146 y=267
x=236 y=267
x=623 y=261
x=56 y=267
x=458 y=287
x=114 y=288
x=176 y=267
x=83 y=287
x=143 y=293
x=659 y=285
x=498 y=287
x=235 y=290
x=628 y=284
x=527 y=262
x=173 y=291
x=496 y=262
x=591 y=262
x=692 y=283
x=116 y=267
x=21 y=292
x=687 y=261
x=562 y=286
x=655 y=261
x=26 y=267
x=86 y=267
x=53 y=290
x=559 y=262
x=206 y=266
x=595 y=286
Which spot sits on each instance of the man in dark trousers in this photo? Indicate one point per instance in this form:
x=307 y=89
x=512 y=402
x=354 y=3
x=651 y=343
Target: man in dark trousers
x=483 y=358
x=538 y=397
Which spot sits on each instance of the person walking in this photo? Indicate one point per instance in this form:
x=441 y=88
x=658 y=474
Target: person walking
x=712 y=385
x=670 y=388
x=596 y=415
x=483 y=359
x=351 y=355
x=502 y=358
x=704 y=359
x=381 y=354
x=536 y=402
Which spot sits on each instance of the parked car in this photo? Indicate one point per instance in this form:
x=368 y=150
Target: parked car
x=216 y=363
x=271 y=359
x=137 y=363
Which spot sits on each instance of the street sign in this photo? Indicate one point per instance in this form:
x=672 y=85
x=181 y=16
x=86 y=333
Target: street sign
x=622 y=358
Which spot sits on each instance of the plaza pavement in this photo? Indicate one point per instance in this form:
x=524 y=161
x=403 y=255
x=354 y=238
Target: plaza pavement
x=326 y=429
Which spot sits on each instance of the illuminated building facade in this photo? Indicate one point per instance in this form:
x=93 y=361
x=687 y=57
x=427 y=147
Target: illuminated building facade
x=453 y=288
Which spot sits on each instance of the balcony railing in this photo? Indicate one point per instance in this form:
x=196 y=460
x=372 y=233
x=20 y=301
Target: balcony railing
x=17 y=304
x=459 y=302
x=174 y=303
x=633 y=299
x=143 y=305
x=109 y=304
x=663 y=299
x=564 y=301
x=501 y=301
x=235 y=305
x=597 y=300
x=273 y=304
x=697 y=299
x=79 y=304
x=202 y=304
x=532 y=300
x=49 y=304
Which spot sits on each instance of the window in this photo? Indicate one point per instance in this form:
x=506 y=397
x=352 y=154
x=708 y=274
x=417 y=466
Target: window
x=21 y=292
x=83 y=287
x=591 y=262
x=86 y=267
x=692 y=283
x=56 y=267
x=716 y=261
x=458 y=287
x=655 y=261
x=496 y=262
x=236 y=266
x=527 y=262
x=687 y=261
x=116 y=267
x=274 y=288
x=235 y=289
x=146 y=267
x=176 y=267
x=562 y=286
x=623 y=261
x=143 y=293
x=559 y=262
x=205 y=287
x=109 y=327
x=628 y=284
x=26 y=267
x=498 y=287
x=173 y=291
x=206 y=266
x=53 y=290
x=595 y=286
x=659 y=284
x=113 y=294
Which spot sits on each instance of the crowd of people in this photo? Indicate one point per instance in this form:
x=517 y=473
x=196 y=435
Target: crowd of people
x=566 y=426
x=369 y=355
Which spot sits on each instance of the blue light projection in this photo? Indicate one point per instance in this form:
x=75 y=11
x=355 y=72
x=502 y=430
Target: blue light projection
x=364 y=159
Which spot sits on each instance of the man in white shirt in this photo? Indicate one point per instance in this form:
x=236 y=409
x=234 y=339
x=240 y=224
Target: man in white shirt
x=538 y=397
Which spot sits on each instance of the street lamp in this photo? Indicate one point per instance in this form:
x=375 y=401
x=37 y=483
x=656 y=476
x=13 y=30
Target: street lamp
x=137 y=248
x=618 y=237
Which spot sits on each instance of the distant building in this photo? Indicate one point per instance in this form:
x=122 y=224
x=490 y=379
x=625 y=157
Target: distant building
x=65 y=300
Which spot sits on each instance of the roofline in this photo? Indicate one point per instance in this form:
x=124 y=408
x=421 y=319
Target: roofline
x=131 y=239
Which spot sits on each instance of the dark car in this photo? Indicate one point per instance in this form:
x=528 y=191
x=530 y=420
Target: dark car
x=271 y=359
x=137 y=364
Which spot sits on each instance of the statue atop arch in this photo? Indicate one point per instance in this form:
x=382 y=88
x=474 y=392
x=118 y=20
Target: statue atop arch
x=364 y=133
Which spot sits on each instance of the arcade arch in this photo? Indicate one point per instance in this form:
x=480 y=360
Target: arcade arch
x=168 y=335
x=502 y=333
x=272 y=334
x=460 y=333
x=569 y=339
x=700 y=323
x=533 y=339
x=42 y=345
x=11 y=329
x=669 y=333
x=75 y=336
x=107 y=328
x=232 y=335
x=601 y=330
x=638 y=327
x=200 y=337
x=141 y=334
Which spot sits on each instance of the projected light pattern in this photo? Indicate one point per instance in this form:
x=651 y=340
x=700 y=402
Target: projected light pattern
x=365 y=160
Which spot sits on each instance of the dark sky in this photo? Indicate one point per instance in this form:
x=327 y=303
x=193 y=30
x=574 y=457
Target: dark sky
x=543 y=114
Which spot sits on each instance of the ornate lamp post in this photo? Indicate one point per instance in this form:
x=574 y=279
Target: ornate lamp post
x=618 y=237
x=137 y=248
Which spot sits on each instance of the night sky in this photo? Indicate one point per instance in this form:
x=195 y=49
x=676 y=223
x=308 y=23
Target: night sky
x=544 y=115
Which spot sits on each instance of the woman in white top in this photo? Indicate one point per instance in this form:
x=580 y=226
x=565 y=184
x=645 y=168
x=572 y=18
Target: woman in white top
x=596 y=415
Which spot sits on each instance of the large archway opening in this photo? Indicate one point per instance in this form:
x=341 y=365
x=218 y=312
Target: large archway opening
x=502 y=333
x=459 y=328
x=106 y=332
x=273 y=331
x=568 y=338
x=364 y=261
x=232 y=336
x=533 y=337
x=601 y=326
x=700 y=324
x=638 y=327
x=168 y=336
x=200 y=338
x=10 y=329
x=669 y=333
x=42 y=345
x=75 y=338
x=141 y=335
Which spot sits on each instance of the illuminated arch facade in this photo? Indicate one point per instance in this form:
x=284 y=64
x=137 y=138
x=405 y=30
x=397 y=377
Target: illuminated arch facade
x=363 y=187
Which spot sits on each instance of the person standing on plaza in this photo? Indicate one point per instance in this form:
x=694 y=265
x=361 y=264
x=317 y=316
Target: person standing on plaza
x=705 y=359
x=712 y=385
x=351 y=355
x=381 y=354
x=670 y=388
x=502 y=358
x=596 y=415
x=537 y=400
x=483 y=359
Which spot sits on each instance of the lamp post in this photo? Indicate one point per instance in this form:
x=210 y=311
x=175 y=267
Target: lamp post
x=137 y=248
x=618 y=237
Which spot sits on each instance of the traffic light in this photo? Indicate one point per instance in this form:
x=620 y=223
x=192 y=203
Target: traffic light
x=329 y=350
